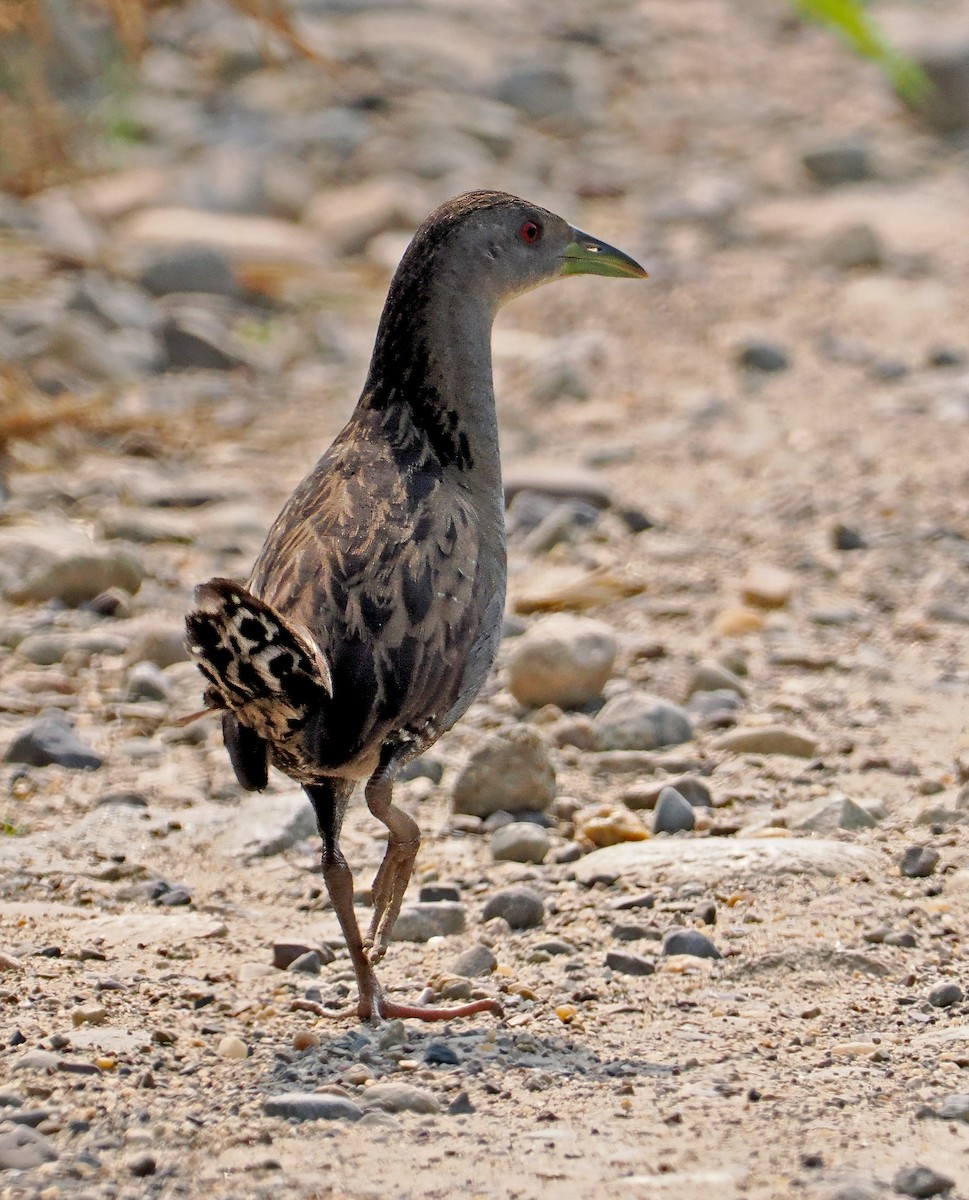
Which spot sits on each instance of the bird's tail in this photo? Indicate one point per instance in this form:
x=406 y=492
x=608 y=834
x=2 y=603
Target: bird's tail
x=253 y=659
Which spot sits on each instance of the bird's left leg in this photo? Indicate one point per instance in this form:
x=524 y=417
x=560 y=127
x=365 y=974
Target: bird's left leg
x=403 y=842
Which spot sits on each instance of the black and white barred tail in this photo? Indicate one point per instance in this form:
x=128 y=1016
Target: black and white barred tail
x=259 y=668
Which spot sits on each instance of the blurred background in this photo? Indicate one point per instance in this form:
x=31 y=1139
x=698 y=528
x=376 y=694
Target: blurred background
x=223 y=187
x=202 y=203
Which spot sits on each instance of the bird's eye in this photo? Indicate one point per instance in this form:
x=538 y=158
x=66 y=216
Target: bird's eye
x=530 y=232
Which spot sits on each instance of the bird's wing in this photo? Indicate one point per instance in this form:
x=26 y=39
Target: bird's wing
x=378 y=560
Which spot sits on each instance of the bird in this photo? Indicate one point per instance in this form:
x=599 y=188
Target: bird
x=374 y=611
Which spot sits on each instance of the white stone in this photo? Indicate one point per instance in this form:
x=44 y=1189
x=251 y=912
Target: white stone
x=562 y=659
x=728 y=859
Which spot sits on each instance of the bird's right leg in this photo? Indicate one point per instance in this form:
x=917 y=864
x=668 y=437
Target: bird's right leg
x=329 y=800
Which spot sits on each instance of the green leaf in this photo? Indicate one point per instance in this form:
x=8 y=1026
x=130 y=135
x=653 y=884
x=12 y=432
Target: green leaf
x=849 y=20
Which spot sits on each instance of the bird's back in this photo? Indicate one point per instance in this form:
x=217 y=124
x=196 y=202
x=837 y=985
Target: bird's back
x=386 y=562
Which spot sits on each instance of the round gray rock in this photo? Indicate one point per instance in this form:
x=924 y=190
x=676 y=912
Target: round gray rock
x=690 y=941
x=640 y=721
x=521 y=908
x=944 y=995
x=78 y=578
x=147 y=681
x=510 y=770
x=476 y=960
x=918 y=862
x=420 y=922
x=23 y=1148
x=521 y=841
x=562 y=659
x=311 y=1106
x=50 y=741
x=922 y=1182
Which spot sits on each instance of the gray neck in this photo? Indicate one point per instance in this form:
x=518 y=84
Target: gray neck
x=433 y=357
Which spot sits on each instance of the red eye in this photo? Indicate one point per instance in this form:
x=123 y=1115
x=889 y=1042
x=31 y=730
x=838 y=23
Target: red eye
x=530 y=232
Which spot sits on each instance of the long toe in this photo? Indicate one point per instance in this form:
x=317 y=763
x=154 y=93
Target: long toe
x=390 y=1009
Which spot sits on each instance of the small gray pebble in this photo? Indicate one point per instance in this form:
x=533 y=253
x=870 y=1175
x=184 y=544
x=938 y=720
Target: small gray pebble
x=838 y=162
x=461 y=1106
x=887 y=369
x=50 y=741
x=311 y=1106
x=757 y=355
x=946 y=356
x=639 y=900
x=900 y=937
x=673 y=813
x=846 y=537
x=431 y=893
x=414 y=926
x=520 y=907
x=638 y=720
x=918 y=862
x=306 y=964
x=286 y=953
x=497 y=820
x=628 y=932
x=124 y=797
x=690 y=941
x=715 y=707
x=394 y=1033
x=921 y=1182
x=147 y=681
x=943 y=995
x=447 y=916
x=190 y=269
x=629 y=964
x=175 y=897
x=476 y=960
x=521 y=842
x=555 y=946
x=569 y=853
x=440 y=1054
x=142 y=1166
x=28 y=1116
x=953 y=1108
x=714 y=677
x=36 y=1060
x=706 y=912
x=422 y=768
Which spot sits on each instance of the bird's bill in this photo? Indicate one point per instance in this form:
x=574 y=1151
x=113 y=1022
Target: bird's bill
x=586 y=255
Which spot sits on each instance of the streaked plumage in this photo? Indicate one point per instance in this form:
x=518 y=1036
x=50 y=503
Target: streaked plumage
x=373 y=614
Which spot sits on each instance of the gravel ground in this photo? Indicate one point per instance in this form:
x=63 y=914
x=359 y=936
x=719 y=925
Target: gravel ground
x=704 y=831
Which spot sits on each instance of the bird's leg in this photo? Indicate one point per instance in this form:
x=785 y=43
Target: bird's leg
x=329 y=800
x=393 y=875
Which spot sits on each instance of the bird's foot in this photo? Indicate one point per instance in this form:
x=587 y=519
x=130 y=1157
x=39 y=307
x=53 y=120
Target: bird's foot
x=376 y=1007
x=389 y=887
x=375 y=948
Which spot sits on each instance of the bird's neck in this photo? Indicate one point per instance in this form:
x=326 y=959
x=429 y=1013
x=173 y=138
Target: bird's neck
x=432 y=361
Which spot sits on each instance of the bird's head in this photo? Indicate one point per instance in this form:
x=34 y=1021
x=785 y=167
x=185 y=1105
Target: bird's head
x=504 y=246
